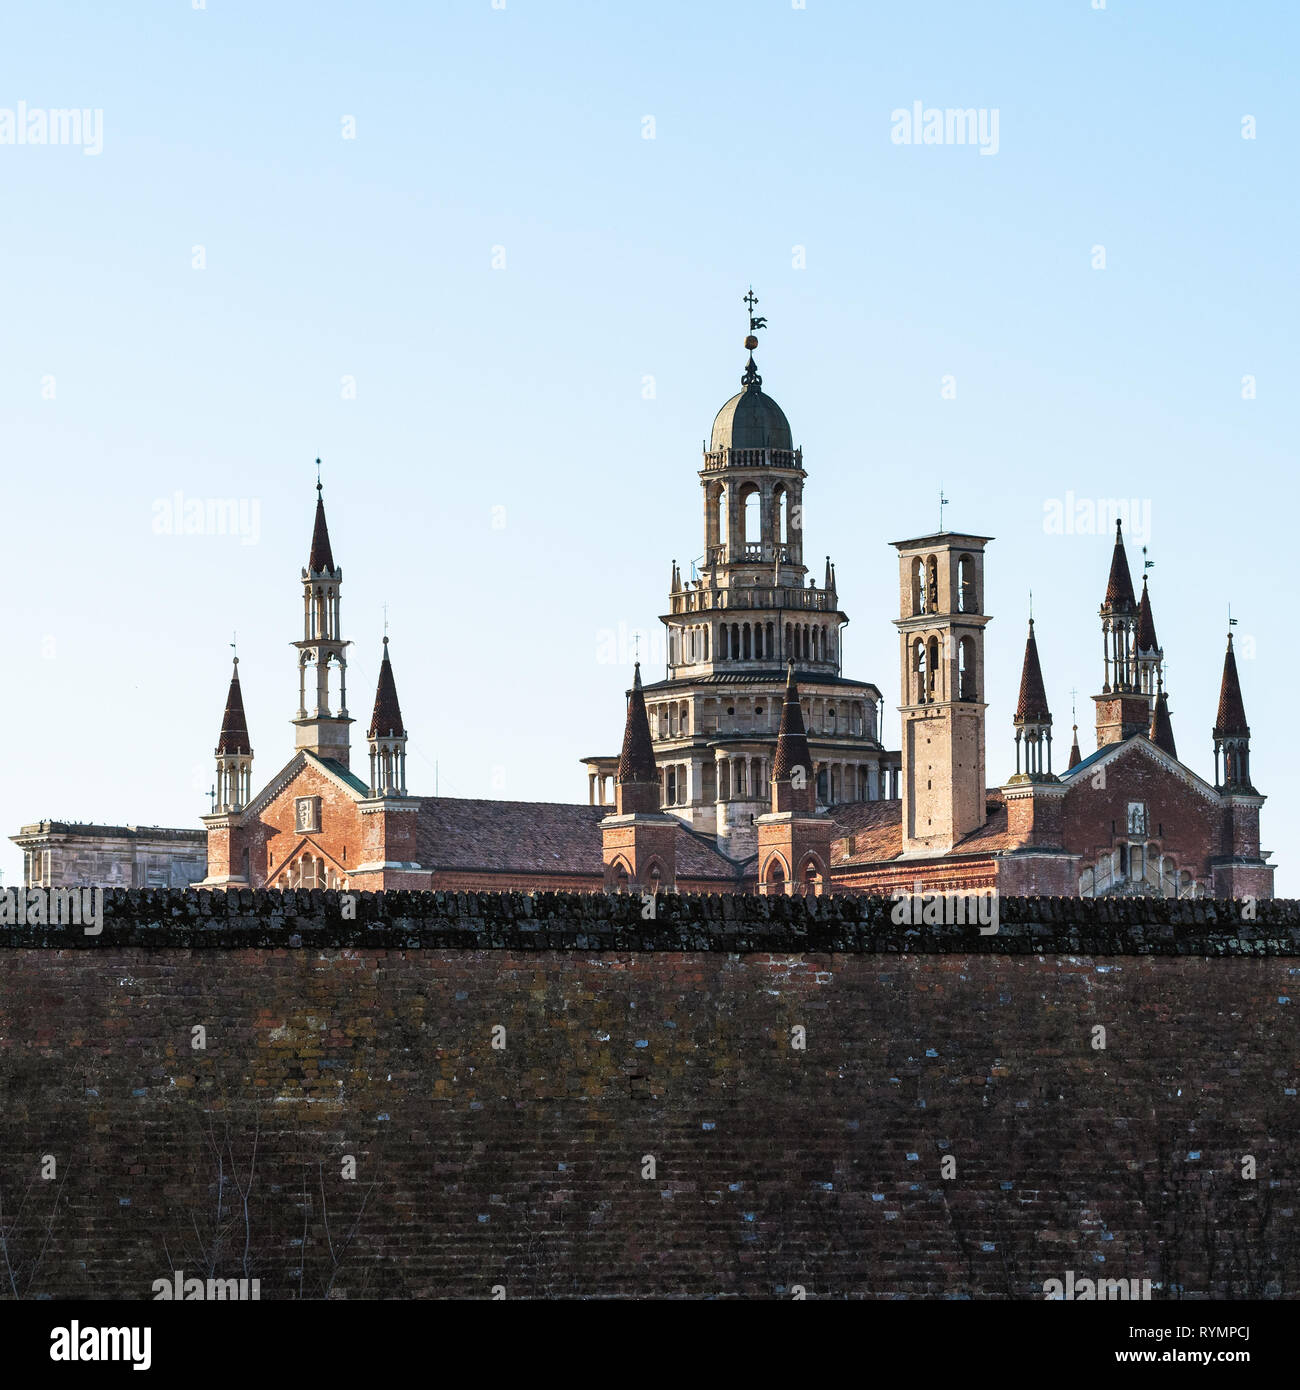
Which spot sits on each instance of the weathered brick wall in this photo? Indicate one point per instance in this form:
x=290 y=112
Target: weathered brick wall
x=773 y=1166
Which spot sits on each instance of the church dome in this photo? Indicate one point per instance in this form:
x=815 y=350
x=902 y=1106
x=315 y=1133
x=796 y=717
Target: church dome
x=751 y=420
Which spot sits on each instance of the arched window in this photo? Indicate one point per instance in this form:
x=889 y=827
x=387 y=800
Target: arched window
x=780 y=515
x=713 y=515
x=967 y=597
x=812 y=877
x=775 y=875
x=932 y=670
x=918 y=672
x=932 y=585
x=753 y=503
x=918 y=586
x=966 y=674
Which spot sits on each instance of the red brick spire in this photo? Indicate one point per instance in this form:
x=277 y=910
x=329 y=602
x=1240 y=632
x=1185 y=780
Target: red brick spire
x=1119 y=588
x=1032 y=706
x=1075 y=756
x=1147 y=641
x=386 y=722
x=792 y=739
x=1162 y=731
x=322 y=557
x=234 y=726
x=1231 y=722
x=636 y=762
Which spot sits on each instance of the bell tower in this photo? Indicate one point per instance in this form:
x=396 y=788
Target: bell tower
x=320 y=729
x=941 y=644
x=1125 y=705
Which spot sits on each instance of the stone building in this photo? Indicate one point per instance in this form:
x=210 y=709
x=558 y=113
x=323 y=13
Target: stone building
x=731 y=631
x=755 y=764
x=67 y=854
x=1130 y=818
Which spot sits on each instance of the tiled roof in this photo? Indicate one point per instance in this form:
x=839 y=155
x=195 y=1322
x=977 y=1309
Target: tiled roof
x=1119 y=588
x=792 y=739
x=322 y=558
x=636 y=763
x=386 y=721
x=1032 y=707
x=537 y=837
x=234 y=725
x=1162 y=731
x=1232 y=713
x=871 y=832
x=757 y=678
x=1146 y=639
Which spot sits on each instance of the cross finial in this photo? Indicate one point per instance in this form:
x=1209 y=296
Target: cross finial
x=234 y=646
x=943 y=502
x=318 y=475
x=1031 y=605
x=636 y=643
x=1074 y=707
x=751 y=299
x=385 y=622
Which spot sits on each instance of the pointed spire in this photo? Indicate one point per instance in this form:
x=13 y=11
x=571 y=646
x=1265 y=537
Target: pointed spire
x=322 y=557
x=792 y=740
x=636 y=762
x=1231 y=722
x=829 y=582
x=234 y=726
x=1119 y=588
x=1032 y=706
x=386 y=722
x=1075 y=756
x=1162 y=731
x=1146 y=638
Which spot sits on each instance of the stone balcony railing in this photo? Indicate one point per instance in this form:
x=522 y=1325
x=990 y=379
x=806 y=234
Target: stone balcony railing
x=758 y=596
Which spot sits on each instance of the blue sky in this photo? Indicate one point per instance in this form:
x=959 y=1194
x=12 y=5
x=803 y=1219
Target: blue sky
x=499 y=477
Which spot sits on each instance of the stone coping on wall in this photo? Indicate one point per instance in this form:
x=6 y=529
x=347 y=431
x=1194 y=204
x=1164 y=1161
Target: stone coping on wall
x=727 y=923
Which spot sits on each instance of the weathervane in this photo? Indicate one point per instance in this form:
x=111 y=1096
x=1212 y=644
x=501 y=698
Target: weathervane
x=1147 y=564
x=943 y=502
x=751 y=376
x=318 y=475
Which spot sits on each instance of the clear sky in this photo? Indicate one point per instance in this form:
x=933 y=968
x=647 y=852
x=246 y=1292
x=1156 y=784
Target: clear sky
x=504 y=476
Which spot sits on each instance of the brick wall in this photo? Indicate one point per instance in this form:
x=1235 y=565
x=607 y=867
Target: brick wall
x=670 y=1039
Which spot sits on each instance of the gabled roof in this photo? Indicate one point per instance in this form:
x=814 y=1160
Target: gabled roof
x=539 y=837
x=1143 y=745
x=871 y=832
